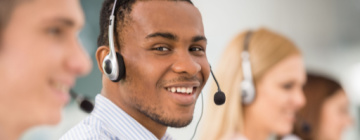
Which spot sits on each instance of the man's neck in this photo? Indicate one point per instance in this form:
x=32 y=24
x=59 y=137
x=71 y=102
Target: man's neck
x=155 y=128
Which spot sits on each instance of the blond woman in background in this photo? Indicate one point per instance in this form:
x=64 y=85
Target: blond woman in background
x=266 y=103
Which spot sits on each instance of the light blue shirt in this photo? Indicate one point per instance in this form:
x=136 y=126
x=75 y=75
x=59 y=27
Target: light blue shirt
x=109 y=122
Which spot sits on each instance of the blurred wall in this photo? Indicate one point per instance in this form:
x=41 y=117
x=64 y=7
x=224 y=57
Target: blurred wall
x=90 y=85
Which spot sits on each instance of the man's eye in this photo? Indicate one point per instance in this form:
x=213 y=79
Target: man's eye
x=196 y=49
x=54 y=31
x=162 y=49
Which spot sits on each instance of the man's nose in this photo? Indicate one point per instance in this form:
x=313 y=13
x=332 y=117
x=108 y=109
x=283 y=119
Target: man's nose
x=78 y=61
x=185 y=63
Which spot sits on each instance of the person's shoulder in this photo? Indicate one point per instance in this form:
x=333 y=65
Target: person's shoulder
x=89 y=128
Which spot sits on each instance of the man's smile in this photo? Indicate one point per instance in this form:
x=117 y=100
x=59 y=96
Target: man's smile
x=183 y=93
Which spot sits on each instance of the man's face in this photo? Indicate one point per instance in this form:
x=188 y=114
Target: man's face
x=166 y=66
x=40 y=57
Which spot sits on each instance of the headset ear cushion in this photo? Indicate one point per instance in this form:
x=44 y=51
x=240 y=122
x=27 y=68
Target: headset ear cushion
x=121 y=65
x=247 y=92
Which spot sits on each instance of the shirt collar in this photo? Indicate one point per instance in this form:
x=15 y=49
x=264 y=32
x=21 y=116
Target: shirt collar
x=120 y=123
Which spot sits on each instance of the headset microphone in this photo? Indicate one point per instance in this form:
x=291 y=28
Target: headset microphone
x=219 y=97
x=83 y=102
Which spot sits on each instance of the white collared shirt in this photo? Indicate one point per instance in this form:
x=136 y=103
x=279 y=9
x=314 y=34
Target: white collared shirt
x=109 y=122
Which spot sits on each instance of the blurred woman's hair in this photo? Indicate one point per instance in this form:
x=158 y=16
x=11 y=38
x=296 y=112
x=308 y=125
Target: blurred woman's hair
x=266 y=49
x=317 y=89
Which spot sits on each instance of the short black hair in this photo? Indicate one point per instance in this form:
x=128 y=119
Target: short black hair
x=122 y=12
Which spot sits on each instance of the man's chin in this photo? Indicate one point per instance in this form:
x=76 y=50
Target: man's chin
x=167 y=119
x=176 y=123
x=180 y=124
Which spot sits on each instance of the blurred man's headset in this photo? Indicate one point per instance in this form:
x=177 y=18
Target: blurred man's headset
x=83 y=102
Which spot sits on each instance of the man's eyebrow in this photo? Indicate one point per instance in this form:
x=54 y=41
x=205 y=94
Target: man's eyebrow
x=163 y=35
x=62 y=20
x=199 y=38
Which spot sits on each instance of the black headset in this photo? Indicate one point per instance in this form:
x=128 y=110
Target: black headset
x=219 y=97
x=83 y=101
x=247 y=84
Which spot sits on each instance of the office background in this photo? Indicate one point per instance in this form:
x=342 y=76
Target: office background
x=326 y=31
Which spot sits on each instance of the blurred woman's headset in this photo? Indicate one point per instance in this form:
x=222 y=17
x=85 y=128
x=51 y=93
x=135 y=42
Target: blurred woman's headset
x=247 y=84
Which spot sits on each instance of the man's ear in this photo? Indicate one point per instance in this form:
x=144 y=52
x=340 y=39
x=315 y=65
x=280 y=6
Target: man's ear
x=100 y=54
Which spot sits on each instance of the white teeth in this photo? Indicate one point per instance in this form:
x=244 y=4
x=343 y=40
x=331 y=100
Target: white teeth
x=189 y=90
x=183 y=90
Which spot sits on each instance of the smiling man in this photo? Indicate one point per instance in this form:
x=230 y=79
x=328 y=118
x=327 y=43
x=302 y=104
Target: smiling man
x=163 y=47
x=40 y=59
